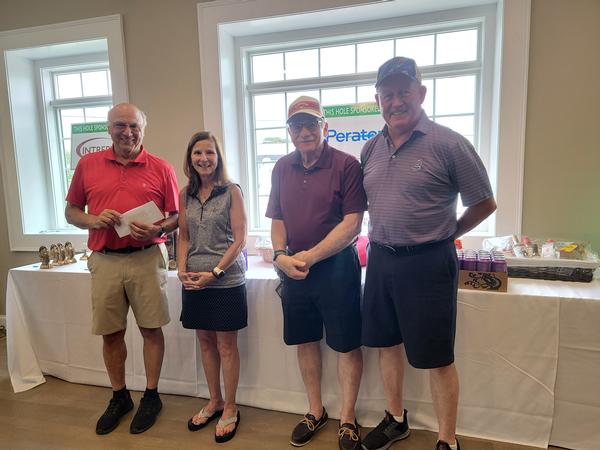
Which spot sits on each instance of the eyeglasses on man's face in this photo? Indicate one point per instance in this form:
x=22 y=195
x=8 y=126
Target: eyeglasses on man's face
x=310 y=125
x=121 y=126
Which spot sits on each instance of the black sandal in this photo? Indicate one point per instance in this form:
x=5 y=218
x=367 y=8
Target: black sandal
x=223 y=423
x=209 y=418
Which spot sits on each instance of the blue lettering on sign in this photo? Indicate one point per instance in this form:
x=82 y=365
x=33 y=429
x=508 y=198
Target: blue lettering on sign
x=350 y=136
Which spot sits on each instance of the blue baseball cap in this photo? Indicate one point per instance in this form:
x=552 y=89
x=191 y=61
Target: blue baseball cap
x=398 y=65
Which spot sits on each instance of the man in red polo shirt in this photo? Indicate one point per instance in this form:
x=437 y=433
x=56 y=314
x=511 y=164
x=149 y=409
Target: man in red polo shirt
x=127 y=271
x=317 y=202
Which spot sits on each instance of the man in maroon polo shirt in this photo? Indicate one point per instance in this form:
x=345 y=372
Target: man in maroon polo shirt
x=316 y=206
x=130 y=270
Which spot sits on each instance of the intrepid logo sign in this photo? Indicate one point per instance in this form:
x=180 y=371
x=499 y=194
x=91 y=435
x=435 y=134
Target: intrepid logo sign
x=88 y=138
x=93 y=145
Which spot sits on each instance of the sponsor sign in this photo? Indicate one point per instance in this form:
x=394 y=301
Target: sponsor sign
x=88 y=138
x=350 y=126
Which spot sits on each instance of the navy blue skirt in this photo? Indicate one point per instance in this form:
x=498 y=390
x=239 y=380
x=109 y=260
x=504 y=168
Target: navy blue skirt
x=224 y=309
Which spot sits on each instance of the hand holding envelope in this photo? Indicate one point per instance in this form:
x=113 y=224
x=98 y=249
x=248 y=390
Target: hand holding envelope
x=147 y=213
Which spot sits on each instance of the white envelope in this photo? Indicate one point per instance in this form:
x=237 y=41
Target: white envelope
x=146 y=213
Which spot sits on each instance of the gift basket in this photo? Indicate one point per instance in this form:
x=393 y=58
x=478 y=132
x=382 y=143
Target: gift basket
x=265 y=249
x=545 y=259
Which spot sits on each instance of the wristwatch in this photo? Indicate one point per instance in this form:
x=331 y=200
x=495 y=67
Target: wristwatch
x=277 y=253
x=218 y=273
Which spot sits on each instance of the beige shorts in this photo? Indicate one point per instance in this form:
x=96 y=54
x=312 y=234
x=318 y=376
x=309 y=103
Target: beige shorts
x=136 y=279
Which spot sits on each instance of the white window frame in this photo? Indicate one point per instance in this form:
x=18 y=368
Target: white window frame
x=220 y=23
x=48 y=69
x=22 y=198
x=481 y=19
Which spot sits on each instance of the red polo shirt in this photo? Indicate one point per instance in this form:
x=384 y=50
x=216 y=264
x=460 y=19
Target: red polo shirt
x=101 y=182
x=311 y=202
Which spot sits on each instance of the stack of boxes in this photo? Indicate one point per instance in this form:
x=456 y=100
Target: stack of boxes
x=482 y=270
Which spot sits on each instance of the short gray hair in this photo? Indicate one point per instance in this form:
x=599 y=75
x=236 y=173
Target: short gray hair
x=142 y=113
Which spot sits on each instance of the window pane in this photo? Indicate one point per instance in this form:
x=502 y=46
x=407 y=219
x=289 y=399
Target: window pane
x=67 y=151
x=365 y=93
x=291 y=96
x=269 y=110
x=96 y=114
x=263 y=222
x=302 y=64
x=429 y=96
x=264 y=176
x=455 y=95
x=419 y=48
x=69 y=116
x=267 y=67
x=337 y=60
x=456 y=47
x=94 y=83
x=67 y=156
x=69 y=85
x=271 y=142
x=338 y=96
x=461 y=124
x=373 y=54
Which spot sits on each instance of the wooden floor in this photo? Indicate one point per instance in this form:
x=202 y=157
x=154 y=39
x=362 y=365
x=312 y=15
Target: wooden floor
x=62 y=416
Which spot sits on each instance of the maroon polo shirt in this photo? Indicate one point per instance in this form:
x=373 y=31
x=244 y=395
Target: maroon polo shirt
x=311 y=202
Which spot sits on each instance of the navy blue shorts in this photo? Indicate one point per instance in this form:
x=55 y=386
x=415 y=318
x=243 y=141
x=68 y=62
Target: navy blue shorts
x=410 y=298
x=330 y=297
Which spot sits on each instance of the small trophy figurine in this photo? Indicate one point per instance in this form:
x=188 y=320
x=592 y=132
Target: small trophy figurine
x=61 y=255
x=84 y=257
x=172 y=250
x=69 y=253
x=54 y=255
x=44 y=258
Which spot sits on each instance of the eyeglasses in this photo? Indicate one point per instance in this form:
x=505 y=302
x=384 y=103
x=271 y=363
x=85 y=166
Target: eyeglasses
x=310 y=125
x=120 y=126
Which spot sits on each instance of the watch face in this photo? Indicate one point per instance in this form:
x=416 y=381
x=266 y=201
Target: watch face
x=219 y=273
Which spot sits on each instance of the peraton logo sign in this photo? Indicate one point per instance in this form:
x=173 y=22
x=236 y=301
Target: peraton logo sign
x=88 y=138
x=350 y=126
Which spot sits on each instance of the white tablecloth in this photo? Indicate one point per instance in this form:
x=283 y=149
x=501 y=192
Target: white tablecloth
x=528 y=360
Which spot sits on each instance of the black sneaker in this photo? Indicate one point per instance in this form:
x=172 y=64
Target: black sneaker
x=441 y=445
x=146 y=414
x=117 y=408
x=386 y=433
x=307 y=428
x=349 y=436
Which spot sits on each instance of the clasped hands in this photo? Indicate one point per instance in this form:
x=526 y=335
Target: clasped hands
x=194 y=281
x=296 y=266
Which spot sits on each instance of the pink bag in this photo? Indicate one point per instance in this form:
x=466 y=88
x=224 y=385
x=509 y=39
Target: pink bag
x=361 y=246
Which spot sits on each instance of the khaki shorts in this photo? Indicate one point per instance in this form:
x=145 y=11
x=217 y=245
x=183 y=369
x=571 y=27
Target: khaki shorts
x=136 y=279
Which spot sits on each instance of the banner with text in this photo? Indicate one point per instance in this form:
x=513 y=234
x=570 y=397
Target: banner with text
x=88 y=138
x=350 y=126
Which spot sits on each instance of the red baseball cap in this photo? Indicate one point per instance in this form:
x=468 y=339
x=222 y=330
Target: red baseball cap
x=305 y=105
